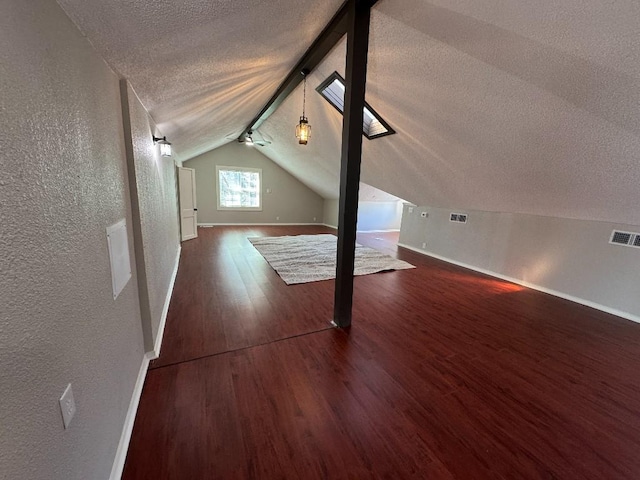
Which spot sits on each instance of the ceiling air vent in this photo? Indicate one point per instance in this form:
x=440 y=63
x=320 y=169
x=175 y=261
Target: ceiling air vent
x=458 y=217
x=629 y=239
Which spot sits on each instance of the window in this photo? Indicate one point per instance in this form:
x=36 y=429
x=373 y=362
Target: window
x=239 y=188
x=373 y=126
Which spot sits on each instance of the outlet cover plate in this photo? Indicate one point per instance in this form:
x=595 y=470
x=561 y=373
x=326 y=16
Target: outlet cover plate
x=67 y=406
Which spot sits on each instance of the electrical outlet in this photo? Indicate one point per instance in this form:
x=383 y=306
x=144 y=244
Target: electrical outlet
x=424 y=214
x=424 y=245
x=277 y=218
x=314 y=219
x=410 y=209
x=67 y=406
x=268 y=190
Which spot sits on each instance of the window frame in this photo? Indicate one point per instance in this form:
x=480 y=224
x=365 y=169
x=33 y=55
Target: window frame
x=336 y=76
x=238 y=169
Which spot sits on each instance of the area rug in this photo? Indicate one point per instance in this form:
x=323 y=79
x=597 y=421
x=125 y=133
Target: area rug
x=311 y=258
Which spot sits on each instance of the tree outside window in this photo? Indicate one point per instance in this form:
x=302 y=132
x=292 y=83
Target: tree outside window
x=239 y=188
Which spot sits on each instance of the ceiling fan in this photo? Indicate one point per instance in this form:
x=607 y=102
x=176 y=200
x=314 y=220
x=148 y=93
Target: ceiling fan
x=253 y=137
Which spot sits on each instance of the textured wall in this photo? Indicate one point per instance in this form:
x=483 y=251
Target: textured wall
x=64 y=181
x=565 y=255
x=156 y=205
x=289 y=199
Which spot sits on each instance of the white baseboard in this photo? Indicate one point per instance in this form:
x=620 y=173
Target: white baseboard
x=207 y=225
x=165 y=310
x=335 y=227
x=533 y=286
x=127 y=429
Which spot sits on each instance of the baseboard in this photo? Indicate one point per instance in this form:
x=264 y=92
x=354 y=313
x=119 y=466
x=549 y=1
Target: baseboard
x=165 y=310
x=207 y=225
x=533 y=286
x=363 y=231
x=127 y=429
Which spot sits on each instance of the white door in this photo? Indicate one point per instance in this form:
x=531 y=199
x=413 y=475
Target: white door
x=188 y=206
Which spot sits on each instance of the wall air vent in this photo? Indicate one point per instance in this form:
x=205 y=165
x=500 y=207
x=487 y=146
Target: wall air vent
x=458 y=217
x=629 y=239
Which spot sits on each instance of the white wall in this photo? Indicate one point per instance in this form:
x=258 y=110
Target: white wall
x=374 y=216
x=569 y=256
x=155 y=210
x=290 y=200
x=64 y=181
x=330 y=209
x=377 y=210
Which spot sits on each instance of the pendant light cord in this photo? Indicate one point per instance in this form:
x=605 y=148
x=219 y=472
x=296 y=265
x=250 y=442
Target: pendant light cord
x=304 y=95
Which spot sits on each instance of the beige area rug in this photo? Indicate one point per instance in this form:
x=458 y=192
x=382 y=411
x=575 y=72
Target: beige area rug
x=310 y=258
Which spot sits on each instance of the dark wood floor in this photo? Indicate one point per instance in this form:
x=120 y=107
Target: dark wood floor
x=446 y=373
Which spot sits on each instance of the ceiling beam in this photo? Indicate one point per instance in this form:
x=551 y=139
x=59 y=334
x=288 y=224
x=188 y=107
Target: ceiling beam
x=328 y=38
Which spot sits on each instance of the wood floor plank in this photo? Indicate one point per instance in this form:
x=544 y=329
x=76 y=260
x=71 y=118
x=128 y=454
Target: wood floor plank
x=227 y=297
x=445 y=374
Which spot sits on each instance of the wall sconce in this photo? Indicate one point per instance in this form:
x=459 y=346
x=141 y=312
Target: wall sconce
x=303 y=129
x=165 y=147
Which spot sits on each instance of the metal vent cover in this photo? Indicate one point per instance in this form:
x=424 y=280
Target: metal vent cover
x=458 y=217
x=629 y=239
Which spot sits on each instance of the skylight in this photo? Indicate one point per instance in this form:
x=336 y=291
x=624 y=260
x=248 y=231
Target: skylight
x=373 y=126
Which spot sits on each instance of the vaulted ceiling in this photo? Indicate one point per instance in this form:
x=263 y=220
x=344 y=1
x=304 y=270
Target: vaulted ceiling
x=515 y=106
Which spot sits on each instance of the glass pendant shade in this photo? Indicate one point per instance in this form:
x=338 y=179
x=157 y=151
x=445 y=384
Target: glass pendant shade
x=303 y=131
x=165 y=149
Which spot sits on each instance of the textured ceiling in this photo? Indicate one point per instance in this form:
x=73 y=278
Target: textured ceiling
x=518 y=105
x=203 y=68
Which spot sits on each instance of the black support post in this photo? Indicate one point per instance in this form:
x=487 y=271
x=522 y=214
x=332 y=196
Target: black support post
x=358 y=17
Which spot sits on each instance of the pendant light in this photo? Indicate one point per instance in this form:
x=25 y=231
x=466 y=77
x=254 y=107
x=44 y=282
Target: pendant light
x=303 y=129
